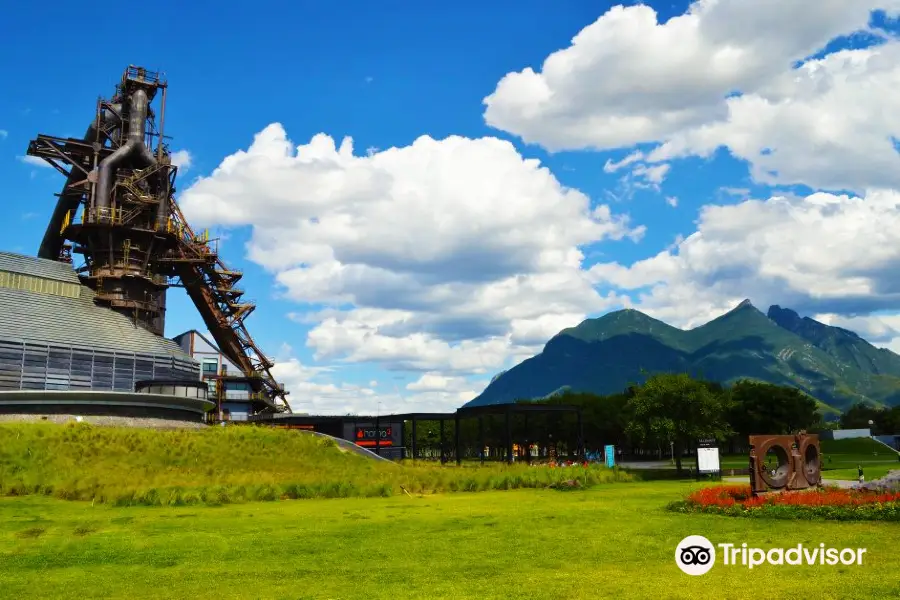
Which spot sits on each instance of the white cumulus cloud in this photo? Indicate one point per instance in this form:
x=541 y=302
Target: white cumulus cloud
x=817 y=254
x=450 y=256
x=721 y=75
x=319 y=391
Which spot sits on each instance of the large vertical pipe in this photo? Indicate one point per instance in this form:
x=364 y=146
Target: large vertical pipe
x=162 y=211
x=137 y=115
x=162 y=125
x=134 y=148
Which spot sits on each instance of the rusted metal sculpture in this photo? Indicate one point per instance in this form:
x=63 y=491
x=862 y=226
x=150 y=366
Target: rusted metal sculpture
x=795 y=462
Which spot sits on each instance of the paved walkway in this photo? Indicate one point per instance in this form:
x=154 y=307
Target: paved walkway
x=647 y=464
x=349 y=446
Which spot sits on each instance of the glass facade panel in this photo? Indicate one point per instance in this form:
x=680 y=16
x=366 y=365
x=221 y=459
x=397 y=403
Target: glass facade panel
x=31 y=366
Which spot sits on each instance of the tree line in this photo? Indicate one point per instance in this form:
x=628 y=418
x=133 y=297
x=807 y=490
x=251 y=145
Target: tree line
x=671 y=412
x=882 y=421
x=667 y=413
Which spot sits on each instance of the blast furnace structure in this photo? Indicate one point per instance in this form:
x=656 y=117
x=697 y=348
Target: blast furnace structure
x=117 y=211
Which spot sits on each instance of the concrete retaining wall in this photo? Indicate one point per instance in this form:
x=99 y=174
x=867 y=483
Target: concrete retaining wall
x=844 y=434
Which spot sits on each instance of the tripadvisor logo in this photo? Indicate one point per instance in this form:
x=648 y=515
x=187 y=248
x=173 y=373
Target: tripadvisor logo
x=696 y=555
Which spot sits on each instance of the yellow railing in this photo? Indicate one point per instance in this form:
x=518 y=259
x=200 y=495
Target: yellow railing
x=178 y=228
x=102 y=215
x=67 y=220
x=173 y=226
x=137 y=192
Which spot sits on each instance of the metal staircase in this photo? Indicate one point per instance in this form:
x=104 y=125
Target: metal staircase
x=210 y=284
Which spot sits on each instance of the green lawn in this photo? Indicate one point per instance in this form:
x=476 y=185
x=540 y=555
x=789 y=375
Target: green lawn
x=613 y=541
x=871 y=472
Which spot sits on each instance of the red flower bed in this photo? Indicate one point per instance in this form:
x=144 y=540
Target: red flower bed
x=818 y=504
x=739 y=495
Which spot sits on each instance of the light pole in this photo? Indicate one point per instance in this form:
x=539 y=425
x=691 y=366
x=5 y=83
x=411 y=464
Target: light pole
x=378 y=428
x=872 y=434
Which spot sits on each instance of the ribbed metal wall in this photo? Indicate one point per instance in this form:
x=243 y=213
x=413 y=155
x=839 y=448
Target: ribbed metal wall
x=54 y=336
x=35 y=366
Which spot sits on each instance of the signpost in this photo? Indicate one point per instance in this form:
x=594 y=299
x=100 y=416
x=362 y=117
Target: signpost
x=610 y=452
x=708 y=458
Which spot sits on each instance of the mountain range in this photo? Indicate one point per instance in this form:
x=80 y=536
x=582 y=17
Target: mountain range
x=607 y=354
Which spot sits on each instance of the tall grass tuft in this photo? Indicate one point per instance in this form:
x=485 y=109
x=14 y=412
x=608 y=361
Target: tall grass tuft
x=130 y=466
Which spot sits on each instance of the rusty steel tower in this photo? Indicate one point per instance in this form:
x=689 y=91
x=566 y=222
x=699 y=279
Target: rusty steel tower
x=117 y=210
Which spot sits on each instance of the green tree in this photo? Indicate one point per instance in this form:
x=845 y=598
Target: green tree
x=889 y=422
x=822 y=425
x=677 y=409
x=761 y=408
x=885 y=421
x=603 y=417
x=859 y=415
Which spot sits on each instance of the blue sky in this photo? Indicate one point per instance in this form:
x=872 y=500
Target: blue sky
x=747 y=112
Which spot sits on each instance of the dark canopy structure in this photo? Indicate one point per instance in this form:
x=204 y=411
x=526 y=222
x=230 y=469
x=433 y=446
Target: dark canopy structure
x=527 y=430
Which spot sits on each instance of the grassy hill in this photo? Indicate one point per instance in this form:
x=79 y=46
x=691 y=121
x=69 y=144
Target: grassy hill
x=607 y=354
x=231 y=464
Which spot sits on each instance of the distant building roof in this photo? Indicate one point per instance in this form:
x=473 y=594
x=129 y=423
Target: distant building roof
x=187 y=344
x=180 y=336
x=33 y=308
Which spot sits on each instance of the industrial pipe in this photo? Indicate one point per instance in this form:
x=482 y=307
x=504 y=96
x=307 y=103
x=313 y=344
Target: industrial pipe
x=134 y=148
x=68 y=201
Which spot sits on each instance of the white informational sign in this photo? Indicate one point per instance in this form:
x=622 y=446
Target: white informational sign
x=708 y=460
